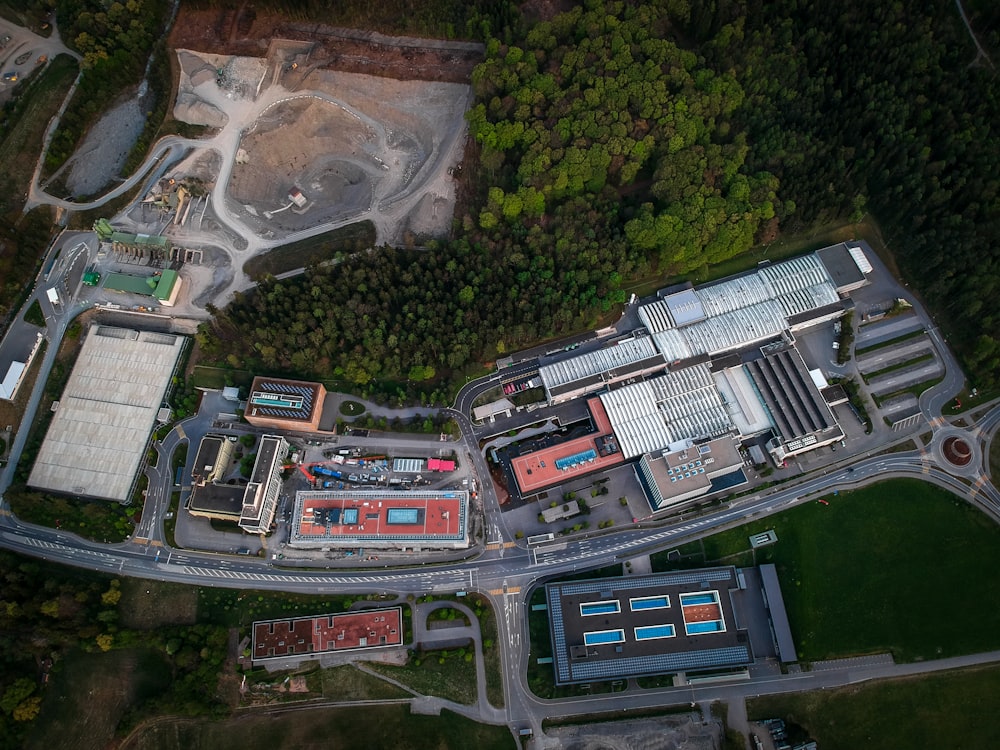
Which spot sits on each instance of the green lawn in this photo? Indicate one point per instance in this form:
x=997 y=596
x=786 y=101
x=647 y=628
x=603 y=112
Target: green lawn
x=371 y=728
x=455 y=679
x=89 y=695
x=938 y=711
x=901 y=566
x=351 y=408
x=347 y=683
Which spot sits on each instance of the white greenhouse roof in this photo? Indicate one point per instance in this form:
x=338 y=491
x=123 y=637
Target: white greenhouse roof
x=740 y=311
x=653 y=414
x=622 y=354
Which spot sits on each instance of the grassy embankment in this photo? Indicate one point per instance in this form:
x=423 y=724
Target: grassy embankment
x=942 y=710
x=900 y=562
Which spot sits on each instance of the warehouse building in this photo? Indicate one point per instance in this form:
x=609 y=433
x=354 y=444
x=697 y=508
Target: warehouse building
x=654 y=414
x=587 y=373
x=98 y=436
x=802 y=418
x=164 y=285
x=617 y=628
x=739 y=312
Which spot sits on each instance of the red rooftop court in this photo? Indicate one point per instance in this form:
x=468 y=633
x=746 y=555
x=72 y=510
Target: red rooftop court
x=381 y=519
x=371 y=628
x=556 y=464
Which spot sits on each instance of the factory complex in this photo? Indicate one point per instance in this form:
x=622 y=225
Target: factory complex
x=713 y=374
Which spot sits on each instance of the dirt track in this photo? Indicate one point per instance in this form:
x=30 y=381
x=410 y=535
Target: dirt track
x=247 y=32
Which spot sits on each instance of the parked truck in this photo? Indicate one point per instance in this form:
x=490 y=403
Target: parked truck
x=326 y=472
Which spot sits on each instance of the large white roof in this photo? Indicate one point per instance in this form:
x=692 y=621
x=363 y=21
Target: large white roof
x=11 y=379
x=622 y=354
x=98 y=435
x=739 y=311
x=656 y=413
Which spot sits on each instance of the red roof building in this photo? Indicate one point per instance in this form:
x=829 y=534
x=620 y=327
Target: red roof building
x=370 y=628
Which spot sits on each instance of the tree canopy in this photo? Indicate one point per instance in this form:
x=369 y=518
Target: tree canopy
x=604 y=152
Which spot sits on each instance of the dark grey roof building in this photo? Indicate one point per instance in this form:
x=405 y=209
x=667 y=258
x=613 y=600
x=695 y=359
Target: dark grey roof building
x=615 y=628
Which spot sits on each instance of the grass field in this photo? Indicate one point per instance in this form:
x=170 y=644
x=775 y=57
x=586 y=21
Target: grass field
x=146 y=603
x=304 y=253
x=936 y=711
x=491 y=651
x=90 y=694
x=234 y=608
x=371 y=728
x=205 y=376
x=351 y=408
x=347 y=683
x=901 y=566
x=455 y=679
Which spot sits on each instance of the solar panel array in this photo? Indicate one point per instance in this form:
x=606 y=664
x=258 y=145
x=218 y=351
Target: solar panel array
x=306 y=392
x=730 y=656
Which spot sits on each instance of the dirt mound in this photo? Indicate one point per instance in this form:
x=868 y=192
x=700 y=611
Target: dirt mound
x=249 y=32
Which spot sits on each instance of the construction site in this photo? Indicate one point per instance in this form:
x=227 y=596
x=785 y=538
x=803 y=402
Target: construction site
x=293 y=149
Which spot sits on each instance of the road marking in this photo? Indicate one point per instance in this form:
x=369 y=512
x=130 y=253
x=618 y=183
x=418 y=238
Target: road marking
x=498 y=545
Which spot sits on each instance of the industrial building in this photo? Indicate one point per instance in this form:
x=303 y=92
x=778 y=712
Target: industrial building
x=587 y=373
x=98 y=436
x=252 y=506
x=380 y=519
x=164 y=285
x=18 y=367
x=718 y=360
x=671 y=478
x=617 y=628
x=323 y=634
x=802 y=418
x=555 y=463
x=654 y=414
x=280 y=404
x=214 y=454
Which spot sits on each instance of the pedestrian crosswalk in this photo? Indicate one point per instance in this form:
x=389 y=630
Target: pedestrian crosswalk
x=501 y=592
x=499 y=545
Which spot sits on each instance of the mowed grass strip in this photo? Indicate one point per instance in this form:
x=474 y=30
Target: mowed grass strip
x=348 y=683
x=900 y=566
x=371 y=728
x=949 y=710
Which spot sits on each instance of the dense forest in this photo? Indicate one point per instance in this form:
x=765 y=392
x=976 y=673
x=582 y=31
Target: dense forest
x=48 y=612
x=881 y=107
x=448 y=19
x=617 y=140
x=605 y=152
